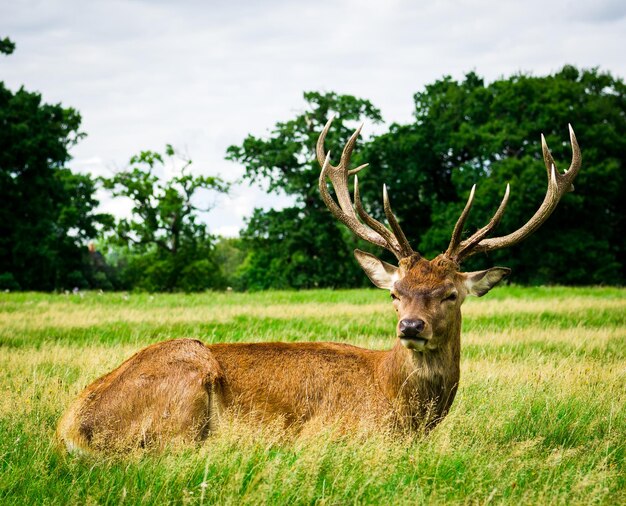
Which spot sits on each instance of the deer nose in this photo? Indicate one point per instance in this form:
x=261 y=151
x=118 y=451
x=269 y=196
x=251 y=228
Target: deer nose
x=411 y=328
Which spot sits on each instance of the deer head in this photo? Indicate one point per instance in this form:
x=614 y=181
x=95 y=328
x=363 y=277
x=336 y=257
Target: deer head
x=427 y=294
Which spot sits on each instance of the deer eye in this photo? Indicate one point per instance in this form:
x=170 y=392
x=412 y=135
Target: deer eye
x=451 y=298
x=394 y=296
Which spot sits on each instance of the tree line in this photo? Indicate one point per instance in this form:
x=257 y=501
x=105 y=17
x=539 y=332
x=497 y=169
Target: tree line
x=464 y=132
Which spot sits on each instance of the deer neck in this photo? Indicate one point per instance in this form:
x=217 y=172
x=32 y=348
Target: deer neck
x=421 y=385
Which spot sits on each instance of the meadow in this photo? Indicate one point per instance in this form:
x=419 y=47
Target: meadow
x=540 y=416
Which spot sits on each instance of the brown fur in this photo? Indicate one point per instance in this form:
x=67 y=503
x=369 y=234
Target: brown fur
x=165 y=391
x=180 y=389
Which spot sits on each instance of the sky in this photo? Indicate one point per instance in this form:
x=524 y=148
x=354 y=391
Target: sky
x=202 y=75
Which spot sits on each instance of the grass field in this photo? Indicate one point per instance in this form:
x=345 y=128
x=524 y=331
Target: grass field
x=540 y=416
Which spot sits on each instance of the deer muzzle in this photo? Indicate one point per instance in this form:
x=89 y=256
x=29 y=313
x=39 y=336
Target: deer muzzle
x=414 y=333
x=410 y=328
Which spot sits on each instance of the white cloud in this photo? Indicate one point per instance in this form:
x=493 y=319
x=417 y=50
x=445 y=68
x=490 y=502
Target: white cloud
x=202 y=75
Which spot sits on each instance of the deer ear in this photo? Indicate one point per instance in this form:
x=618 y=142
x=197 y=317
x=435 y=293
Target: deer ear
x=382 y=274
x=480 y=282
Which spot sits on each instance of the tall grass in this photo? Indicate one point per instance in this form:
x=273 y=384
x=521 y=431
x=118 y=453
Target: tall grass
x=540 y=417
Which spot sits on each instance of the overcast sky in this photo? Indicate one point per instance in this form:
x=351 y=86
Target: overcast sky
x=201 y=75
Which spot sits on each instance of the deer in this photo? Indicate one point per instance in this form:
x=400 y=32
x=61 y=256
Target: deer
x=183 y=389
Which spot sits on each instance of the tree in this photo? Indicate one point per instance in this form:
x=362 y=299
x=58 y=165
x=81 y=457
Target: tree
x=464 y=132
x=7 y=46
x=229 y=255
x=301 y=246
x=47 y=213
x=167 y=246
x=490 y=135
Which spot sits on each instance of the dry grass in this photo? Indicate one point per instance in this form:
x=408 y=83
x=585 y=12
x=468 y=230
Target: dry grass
x=43 y=316
x=540 y=417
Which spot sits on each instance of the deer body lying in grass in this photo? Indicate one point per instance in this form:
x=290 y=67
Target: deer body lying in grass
x=181 y=389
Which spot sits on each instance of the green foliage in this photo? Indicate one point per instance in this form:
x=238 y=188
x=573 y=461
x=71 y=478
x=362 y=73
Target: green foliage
x=7 y=46
x=464 y=132
x=490 y=135
x=467 y=132
x=229 y=254
x=296 y=248
x=47 y=213
x=300 y=246
x=163 y=245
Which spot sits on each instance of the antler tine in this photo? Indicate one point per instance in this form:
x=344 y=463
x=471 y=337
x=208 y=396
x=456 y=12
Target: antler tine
x=577 y=158
x=328 y=200
x=376 y=225
x=346 y=154
x=349 y=219
x=319 y=148
x=558 y=185
x=458 y=228
x=370 y=229
x=547 y=156
x=395 y=226
x=480 y=234
x=339 y=178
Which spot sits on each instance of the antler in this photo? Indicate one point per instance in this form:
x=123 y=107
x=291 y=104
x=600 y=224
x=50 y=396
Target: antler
x=558 y=185
x=369 y=229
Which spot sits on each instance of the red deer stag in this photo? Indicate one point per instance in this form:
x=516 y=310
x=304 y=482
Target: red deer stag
x=180 y=389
